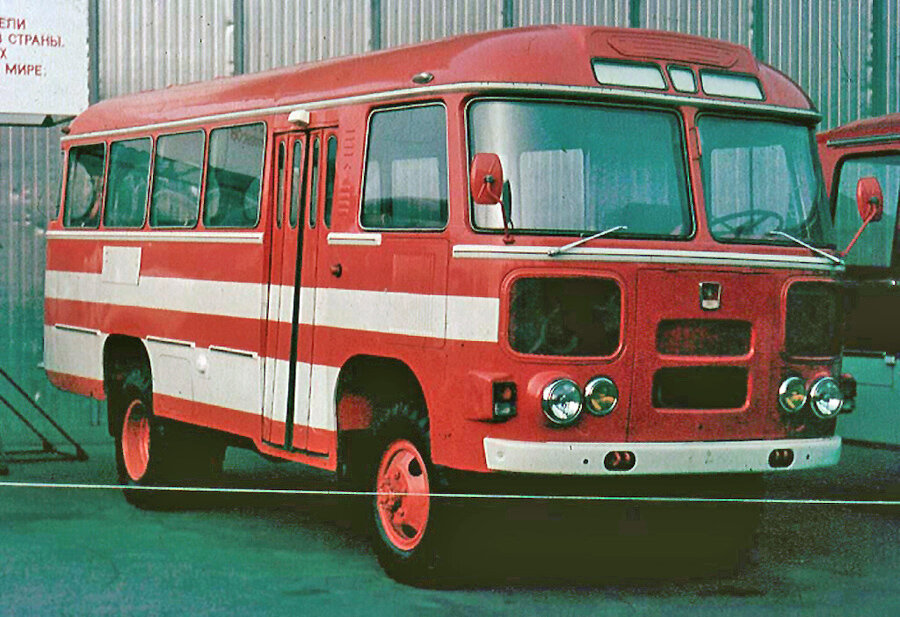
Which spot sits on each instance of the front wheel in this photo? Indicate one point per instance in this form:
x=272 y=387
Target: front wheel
x=407 y=518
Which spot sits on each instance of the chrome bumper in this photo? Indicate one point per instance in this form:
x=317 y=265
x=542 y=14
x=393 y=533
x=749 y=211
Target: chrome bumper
x=691 y=457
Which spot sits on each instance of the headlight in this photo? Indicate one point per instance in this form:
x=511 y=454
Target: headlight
x=792 y=394
x=601 y=396
x=561 y=401
x=827 y=398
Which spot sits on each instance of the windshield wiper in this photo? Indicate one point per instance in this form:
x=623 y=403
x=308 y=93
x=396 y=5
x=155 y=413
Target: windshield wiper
x=836 y=260
x=554 y=251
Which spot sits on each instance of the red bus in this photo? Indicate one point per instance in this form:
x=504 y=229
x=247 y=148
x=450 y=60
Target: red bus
x=856 y=156
x=563 y=251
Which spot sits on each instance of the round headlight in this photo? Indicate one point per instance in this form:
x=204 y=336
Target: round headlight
x=792 y=394
x=561 y=401
x=827 y=398
x=601 y=396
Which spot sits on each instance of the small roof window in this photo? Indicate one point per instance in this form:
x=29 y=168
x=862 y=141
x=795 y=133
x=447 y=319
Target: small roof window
x=633 y=74
x=731 y=85
x=683 y=79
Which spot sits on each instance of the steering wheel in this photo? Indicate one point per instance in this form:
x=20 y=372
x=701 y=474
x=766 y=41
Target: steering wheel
x=755 y=218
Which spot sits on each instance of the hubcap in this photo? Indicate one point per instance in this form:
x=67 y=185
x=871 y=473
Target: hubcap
x=136 y=440
x=403 y=500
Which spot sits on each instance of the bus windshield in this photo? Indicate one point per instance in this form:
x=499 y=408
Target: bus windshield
x=581 y=169
x=759 y=177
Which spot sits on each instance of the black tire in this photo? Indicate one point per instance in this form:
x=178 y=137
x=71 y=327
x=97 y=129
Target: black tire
x=407 y=538
x=152 y=452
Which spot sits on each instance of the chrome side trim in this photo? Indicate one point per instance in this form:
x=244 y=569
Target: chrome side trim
x=480 y=87
x=78 y=329
x=233 y=351
x=863 y=141
x=354 y=239
x=717 y=258
x=651 y=458
x=170 y=341
x=207 y=237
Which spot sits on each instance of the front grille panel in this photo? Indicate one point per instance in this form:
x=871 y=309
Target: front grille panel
x=703 y=337
x=700 y=387
x=813 y=320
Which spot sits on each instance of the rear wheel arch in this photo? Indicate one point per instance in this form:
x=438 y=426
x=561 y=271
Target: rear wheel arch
x=125 y=363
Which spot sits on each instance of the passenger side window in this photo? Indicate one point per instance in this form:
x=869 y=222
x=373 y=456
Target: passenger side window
x=234 y=175
x=177 y=171
x=84 y=186
x=406 y=169
x=129 y=175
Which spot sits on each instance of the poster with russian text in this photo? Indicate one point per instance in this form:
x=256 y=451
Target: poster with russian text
x=43 y=60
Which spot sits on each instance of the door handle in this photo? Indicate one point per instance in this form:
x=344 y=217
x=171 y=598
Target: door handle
x=337 y=270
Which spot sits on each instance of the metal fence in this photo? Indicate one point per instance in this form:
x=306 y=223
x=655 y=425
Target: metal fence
x=845 y=54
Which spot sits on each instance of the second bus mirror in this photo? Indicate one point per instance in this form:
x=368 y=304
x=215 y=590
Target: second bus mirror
x=870 y=203
x=869 y=199
x=486 y=179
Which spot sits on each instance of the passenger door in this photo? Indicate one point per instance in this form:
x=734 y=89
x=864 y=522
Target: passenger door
x=286 y=379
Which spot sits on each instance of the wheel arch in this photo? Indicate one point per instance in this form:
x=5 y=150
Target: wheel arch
x=121 y=355
x=367 y=385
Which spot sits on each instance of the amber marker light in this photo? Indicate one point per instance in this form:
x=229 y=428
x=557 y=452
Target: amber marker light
x=601 y=396
x=792 y=394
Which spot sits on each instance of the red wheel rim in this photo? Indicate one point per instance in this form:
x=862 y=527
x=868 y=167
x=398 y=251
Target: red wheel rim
x=136 y=441
x=403 y=500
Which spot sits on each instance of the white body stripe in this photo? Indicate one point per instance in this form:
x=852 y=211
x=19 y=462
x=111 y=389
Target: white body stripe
x=227 y=299
x=466 y=318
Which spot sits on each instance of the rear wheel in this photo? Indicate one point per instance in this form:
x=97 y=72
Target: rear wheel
x=407 y=518
x=152 y=452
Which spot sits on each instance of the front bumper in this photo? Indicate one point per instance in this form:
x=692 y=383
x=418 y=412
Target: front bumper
x=691 y=457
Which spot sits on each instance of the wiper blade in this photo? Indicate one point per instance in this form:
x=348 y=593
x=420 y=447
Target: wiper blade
x=818 y=251
x=554 y=251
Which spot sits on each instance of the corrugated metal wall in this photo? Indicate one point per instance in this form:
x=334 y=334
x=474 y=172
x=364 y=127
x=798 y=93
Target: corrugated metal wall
x=280 y=34
x=845 y=54
x=147 y=45
x=411 y=21
x=729 y=20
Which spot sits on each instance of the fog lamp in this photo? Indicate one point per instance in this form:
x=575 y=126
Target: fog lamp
x=792 y=394
x=561 y=401
x=601 y=396
x=827 y=398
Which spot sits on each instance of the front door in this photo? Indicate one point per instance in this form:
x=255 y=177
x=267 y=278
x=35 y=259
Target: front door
x=286 y=376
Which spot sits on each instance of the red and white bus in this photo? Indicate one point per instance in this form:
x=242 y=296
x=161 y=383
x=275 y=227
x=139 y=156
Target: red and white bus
x=863 y=158
x=568 y=251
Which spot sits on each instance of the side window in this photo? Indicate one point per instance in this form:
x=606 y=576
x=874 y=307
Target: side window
x=234 y=175
x=129 y=175
x=876 y=246
x=330 y=162
x=297 y=188
x=279 y=192
x=177 y=170
x=314 y=186
x=84 y=186
x=406 y=169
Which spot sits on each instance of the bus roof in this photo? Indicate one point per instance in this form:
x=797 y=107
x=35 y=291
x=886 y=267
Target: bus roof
x=868 y=127
x=536 y=55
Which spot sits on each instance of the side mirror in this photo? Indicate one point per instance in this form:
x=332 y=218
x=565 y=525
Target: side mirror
x=869 y=199
x=870 y=203
x=486 y=179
